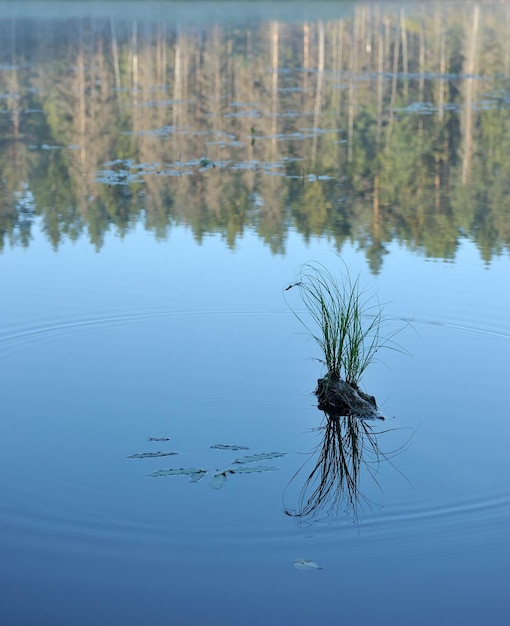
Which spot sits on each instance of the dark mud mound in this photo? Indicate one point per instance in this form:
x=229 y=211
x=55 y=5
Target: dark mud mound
x=341 y=398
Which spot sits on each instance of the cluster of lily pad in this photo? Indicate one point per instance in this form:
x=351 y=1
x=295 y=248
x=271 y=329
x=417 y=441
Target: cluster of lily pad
x=241 y=465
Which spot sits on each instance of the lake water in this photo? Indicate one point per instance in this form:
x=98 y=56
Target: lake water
x=166 y=169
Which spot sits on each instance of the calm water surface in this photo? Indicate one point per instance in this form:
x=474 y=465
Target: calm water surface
x=161 y=182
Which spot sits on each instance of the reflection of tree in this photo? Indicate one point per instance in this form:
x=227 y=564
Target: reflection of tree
x=368 y=128
x=476 y=207
x=349 y=448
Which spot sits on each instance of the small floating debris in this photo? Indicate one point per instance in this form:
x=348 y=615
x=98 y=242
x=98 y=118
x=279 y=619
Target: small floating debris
x=150 y=455
x=158 y=438
x=304 y=565
x=223 y=446
x=260 y=457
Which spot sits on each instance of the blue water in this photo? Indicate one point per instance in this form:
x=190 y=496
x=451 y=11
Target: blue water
x=149 y=302
x=101 y=352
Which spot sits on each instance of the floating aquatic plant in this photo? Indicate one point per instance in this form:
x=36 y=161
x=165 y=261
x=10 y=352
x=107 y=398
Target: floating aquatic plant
x=224 y=446
x=219 y=478
x=241 y=465
x=306 y=565
x=253 y=469
x=150 y=455
x=259 y=457
x=195 y=473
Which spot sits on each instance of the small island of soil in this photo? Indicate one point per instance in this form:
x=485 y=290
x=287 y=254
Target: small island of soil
x=341 y=398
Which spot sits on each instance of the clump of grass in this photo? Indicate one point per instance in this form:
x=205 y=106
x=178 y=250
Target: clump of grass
x=345 y=321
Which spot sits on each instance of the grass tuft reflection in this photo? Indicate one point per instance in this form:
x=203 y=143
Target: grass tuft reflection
x=348 y=445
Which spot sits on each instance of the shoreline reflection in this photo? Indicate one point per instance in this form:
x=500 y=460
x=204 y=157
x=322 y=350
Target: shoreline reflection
x=373 y=126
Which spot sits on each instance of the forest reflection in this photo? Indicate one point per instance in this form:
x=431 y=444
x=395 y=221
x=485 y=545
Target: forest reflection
x=384 y=125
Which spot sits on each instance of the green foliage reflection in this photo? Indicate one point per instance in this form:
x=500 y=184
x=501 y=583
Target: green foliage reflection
x=370 y=128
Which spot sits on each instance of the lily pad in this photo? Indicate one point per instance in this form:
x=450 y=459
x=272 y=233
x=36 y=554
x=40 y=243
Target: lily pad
x=223 y=446
x=195 y=473
x=250 y=469
x=259 y=457
x=150 y=455
x=197 y=476
x=304 y=565
x=218 y=480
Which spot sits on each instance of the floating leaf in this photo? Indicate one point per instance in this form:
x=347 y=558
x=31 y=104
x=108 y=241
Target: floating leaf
x=158 y=438
x=304 y=565
x=260 y=457
x=150 y=455
x=197 y=476
x=223 y=446
x=195 y=473
x=218 y=480
x=253 y=468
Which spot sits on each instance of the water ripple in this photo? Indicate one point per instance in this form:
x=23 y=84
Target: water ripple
x=16 y=338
